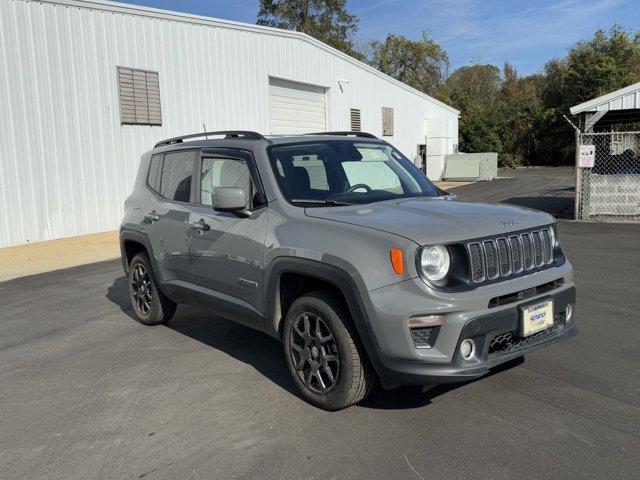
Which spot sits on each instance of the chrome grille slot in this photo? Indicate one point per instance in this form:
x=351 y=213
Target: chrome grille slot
x=491 y=259
x=477 y=264
x=503 y=255
x=547 y=248
x=537 y=249
x=516 y=254
x=527 y=251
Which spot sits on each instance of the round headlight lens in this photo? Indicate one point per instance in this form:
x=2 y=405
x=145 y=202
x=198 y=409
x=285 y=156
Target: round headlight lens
x=434 y=262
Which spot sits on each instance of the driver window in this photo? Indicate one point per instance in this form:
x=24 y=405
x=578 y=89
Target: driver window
x=223 y=172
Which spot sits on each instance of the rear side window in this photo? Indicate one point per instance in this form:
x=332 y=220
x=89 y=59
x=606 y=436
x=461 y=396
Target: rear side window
x=175 y=175
x=155 y=168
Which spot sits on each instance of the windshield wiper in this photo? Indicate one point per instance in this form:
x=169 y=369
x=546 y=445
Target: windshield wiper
x=316 y=201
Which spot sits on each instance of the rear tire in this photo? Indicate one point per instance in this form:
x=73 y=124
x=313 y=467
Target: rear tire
x=323 y=353
x=149 y=304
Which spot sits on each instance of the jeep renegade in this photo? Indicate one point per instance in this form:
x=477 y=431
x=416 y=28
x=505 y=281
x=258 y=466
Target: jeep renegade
x=336 y=244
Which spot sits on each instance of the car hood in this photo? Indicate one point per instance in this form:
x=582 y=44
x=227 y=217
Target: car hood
x=430 y=220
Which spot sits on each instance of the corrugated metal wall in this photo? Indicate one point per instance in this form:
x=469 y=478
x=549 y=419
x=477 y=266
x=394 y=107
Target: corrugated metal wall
x=66 y=162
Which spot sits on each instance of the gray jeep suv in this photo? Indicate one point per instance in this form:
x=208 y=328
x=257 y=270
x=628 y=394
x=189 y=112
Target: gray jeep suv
x=336 y=244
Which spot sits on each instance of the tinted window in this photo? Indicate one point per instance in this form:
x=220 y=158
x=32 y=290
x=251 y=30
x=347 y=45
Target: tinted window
x=223 y=172
x=177 y=169
x=154 y=172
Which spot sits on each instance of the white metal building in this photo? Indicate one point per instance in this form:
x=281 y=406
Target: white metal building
x=87 y=86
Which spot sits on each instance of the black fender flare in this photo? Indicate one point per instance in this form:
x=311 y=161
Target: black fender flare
x=128 y=235
x=330 y=274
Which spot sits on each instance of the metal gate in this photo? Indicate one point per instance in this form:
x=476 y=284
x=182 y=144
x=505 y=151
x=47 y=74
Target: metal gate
x=608 y=176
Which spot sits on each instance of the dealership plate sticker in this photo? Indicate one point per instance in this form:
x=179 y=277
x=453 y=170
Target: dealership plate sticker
x=536 y=318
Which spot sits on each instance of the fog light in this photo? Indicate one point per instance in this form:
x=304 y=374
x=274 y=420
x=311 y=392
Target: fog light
x=568 y=313
x=467 y=349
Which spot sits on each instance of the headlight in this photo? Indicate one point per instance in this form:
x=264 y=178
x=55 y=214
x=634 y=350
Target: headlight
x=434 y=262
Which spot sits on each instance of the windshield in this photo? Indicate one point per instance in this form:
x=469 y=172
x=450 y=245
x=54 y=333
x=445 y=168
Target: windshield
x=342 y=172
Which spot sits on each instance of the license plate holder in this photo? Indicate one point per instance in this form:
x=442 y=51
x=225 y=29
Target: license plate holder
x=536 y=317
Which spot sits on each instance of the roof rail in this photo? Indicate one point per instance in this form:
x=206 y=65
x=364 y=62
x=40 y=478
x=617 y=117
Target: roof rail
x=346 y=134
x=227 y=134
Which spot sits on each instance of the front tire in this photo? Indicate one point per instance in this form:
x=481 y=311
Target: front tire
x=149 y=304
x=323 y=353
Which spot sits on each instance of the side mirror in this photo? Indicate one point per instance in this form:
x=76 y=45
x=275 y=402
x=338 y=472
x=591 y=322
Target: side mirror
x=231 y=199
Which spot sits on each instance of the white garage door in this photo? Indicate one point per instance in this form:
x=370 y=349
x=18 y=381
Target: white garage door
x=296 y=107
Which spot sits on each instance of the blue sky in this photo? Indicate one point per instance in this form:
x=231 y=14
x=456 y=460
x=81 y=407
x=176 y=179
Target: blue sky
x=526 y=33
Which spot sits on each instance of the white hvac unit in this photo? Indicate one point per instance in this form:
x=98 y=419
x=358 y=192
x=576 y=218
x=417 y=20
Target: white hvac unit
x=471 y=166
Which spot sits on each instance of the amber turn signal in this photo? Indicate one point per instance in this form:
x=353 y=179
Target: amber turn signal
x=397 y=260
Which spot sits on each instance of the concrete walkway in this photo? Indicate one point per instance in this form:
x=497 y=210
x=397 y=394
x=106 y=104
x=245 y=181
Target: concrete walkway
x=42 y=257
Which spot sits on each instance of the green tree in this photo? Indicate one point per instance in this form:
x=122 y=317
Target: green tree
x=326 y=20
x=607 y=62
x=421 y=64
x=474 y=90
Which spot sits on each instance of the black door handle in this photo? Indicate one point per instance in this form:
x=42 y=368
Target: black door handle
x=150 y=217
x=200 y=225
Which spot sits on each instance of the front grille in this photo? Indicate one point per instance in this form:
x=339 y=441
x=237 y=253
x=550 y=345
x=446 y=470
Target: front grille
x=507 y=256
x=510 y=341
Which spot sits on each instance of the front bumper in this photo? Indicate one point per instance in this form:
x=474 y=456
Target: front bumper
x=487 y=331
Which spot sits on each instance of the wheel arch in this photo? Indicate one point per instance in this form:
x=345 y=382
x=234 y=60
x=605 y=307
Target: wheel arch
x=318 y=273
x=132 y=243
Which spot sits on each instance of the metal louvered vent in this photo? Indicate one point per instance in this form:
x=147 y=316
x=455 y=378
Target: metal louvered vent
x=387 y=122
x=139 y=97
x=509 y=256
x=356 y=125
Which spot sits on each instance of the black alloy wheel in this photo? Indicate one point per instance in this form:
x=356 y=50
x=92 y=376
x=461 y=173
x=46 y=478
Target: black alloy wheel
x=314 y=353
x=141 y=290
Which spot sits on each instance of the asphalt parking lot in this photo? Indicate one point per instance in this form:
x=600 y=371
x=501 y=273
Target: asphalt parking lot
x=86 y=392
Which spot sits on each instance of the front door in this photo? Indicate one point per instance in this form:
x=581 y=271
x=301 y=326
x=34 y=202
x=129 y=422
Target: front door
x=228 y=251
x=166 y=220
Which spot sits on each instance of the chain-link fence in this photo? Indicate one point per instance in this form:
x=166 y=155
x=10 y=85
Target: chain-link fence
x=608 y=176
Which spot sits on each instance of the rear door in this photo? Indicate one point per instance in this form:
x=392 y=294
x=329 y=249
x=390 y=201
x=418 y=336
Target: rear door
x=228 y=251
x=171 y=177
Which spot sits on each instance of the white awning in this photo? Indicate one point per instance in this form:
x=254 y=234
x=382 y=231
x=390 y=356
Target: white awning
x=626 y=98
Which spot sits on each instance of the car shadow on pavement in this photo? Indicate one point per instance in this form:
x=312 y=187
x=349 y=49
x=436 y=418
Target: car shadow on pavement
x=264 y=353
x=416 y=397
x=245 y=344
